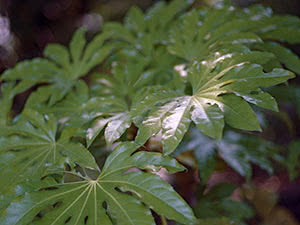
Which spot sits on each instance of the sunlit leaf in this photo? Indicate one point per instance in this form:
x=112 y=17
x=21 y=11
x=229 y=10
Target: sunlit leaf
x=222 y=85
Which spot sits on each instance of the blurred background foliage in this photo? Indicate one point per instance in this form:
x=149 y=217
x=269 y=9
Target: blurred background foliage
x=26 y=26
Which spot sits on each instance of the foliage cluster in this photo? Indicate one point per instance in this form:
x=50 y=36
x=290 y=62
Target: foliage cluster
x=172 y=72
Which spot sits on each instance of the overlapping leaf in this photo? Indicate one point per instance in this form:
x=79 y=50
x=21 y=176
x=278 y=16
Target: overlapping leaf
x=222 y=85
x=145 y=35
x=62 y=68
x=117 y=196
x=237 y=150
x=143 y=30
x=195 y=37
x=217 y=203
x=226 y=28
x=30 y=148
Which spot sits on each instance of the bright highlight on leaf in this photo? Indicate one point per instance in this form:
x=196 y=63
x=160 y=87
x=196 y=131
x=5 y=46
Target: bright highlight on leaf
x=222 y=87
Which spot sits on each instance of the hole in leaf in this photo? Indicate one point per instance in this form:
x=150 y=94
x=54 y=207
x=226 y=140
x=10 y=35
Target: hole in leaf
x=86 y=219
x=254 y=92
x=57 y=204
x=118 y=190
x=104 y=205
x=68 y=219
x=48 y=188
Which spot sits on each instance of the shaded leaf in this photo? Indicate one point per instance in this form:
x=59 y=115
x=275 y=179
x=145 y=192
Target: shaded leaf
x=106 y=200
x=237 y=150
x=30 y=149
x=293 y=160
x=61 y=70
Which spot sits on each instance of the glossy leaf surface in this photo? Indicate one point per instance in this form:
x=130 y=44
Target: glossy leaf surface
x=116 y=196
x=222 y=86
x=30 y=149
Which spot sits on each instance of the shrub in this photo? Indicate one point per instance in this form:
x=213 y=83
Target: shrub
x=171 y=72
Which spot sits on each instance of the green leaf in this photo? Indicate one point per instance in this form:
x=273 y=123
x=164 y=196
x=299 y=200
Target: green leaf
x=30 y=149
x=217 y=203
x=290 y=35
x=77 y=44
x=283 y=54
x=91 y=115
x=176 y=124
x=115 y=197
x=287 y=95
x=292 y=162
x=206 y=161
x=6 y=102
x=135 y=20
x=208 y=118
x=200 y=32
x=237 y=150
x=116 y=127
x=222 y=85
x=59 y=72
x=235 y=112
x=59 y=54
x=194 y=38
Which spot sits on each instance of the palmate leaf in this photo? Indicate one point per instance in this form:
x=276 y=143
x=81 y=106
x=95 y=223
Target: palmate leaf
x=89 y=115
x=115 y=197
x=92 y=115
x=116 y=125
x=239 y=151
x=62 y=68
x=225 y=28
x=271 y=27
x=144 y=37
x=198 y=33
x=30 y=149
x=222 y=85
x=143 y=30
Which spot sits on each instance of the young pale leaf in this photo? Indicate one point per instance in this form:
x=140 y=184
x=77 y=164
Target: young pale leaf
x=62 y=69
x=222 y=85
x=30 y=149
x=117 y=196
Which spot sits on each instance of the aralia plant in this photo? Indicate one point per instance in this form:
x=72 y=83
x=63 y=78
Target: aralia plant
x=166 y=72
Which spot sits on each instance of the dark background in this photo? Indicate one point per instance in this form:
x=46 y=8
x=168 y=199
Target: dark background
x=26 y=26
